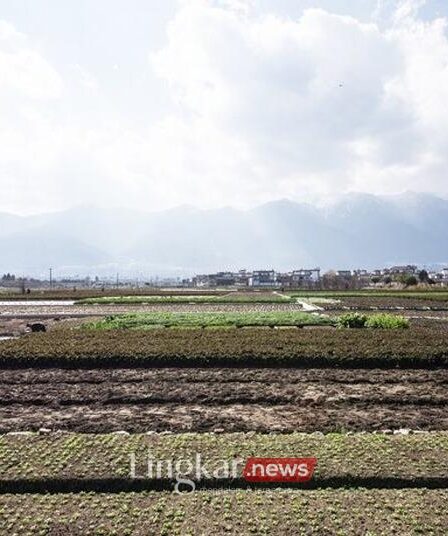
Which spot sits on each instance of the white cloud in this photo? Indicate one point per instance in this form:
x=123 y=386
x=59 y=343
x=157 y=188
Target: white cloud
x=8 y=33
x=87 y=80
x=320 y=104
x=263 y=107
x=23 y=71
x=408 y=9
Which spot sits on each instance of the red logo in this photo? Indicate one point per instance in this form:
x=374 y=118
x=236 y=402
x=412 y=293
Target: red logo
x=279 y=469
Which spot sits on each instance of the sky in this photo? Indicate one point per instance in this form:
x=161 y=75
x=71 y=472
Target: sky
x=150 y=104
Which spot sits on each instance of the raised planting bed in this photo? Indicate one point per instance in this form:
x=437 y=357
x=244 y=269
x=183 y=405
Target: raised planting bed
x=230 y=399
x=379 y=460
x=281 y=512
x=384 y=304
x=81 y=293
x=218 y=319
x=419 y=346
x=437 y=295
x=233 y=297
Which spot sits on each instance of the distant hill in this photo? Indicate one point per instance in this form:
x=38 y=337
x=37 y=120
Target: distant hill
x=358 y=231
x=34 y=250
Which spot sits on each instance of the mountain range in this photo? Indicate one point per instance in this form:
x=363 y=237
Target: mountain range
x=359 y=230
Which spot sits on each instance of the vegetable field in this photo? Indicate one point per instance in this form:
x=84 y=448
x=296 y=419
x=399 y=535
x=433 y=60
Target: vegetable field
x=221 y=319
x=342 y=459
x=320 y=512
x=419 y=346
x=232 y=297
x=86 y=404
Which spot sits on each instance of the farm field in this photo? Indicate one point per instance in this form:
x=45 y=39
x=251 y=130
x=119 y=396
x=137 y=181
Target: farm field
x=232 y=297
x=370 y=404
x=88 y=460
x=419 y=346
x=382 y=303
x=320 y=512
x=438 y=295
x=71 y=294
x=218 y=319
x=244 y=399
x=268 y=297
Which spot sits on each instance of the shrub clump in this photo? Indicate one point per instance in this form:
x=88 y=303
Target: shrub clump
x=386 y=321
x=382 y=321
x=352 y=320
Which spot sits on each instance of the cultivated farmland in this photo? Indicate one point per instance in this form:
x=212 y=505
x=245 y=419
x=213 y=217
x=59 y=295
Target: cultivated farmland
x=81 y=401
x=322 y=512
x=233 y=297
x=219 y=319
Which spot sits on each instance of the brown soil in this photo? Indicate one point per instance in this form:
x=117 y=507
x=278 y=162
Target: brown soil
x=385 y=303
x=233 y=400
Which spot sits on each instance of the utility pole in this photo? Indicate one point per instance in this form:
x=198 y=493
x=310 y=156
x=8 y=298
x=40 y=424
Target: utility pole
x=118 y=280
x=51 y=277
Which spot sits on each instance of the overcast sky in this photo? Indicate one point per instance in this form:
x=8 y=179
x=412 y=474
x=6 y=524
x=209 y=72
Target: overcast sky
x=155 y=103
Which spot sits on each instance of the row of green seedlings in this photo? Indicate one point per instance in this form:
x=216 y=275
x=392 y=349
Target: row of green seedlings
x=266 y=513
x=220 y=320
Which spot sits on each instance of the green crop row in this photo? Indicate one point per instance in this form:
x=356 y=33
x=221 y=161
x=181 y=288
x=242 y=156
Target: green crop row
x=344 y=457
x=233 y=297
x=221 y=319
x=321 y=512
x=245 y=319
x=417 y=347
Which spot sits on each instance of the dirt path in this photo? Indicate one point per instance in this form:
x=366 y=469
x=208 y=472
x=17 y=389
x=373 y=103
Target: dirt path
x=309 y=307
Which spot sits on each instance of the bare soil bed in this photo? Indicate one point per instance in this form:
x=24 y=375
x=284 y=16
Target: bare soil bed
x=262 y=400
x=386 y=304
x=104 y=309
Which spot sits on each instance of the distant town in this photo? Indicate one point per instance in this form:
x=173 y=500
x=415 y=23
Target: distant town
x=304 y=278
x=408 y=275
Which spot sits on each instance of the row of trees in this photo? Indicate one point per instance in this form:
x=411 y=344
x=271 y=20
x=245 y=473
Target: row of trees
x=409 y=280
x=333 y=281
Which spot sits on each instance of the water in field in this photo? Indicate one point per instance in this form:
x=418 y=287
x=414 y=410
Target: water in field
x=36 y=303
x=7 y=337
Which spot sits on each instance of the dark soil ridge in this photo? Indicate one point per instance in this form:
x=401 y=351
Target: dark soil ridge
x=176 y=417
x=207 y=399
x=224 y=375
x=235 y=362
x=119 y=485
x=260 y=401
